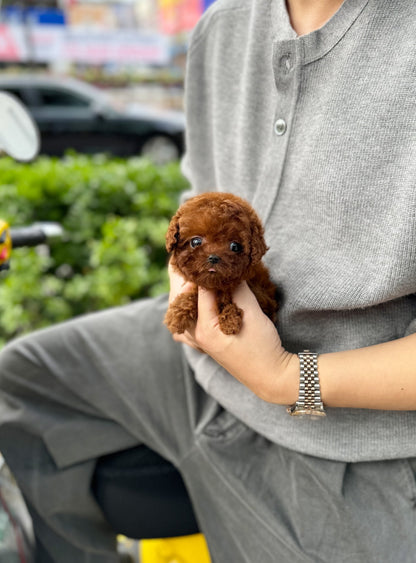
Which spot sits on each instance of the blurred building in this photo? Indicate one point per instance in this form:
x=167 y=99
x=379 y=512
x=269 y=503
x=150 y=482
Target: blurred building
x=96 y=32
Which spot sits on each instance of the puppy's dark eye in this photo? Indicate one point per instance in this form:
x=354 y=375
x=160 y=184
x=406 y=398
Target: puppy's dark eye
x=236 y=247
x=196 y=241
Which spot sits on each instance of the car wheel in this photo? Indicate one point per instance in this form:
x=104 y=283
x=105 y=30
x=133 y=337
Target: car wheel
x=160 y=150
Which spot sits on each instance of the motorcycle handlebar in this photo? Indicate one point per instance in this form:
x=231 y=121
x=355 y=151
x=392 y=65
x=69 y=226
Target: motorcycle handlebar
x=38 y=233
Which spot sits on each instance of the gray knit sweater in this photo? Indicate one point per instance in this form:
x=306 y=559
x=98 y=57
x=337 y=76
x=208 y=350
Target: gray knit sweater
x=319 y=133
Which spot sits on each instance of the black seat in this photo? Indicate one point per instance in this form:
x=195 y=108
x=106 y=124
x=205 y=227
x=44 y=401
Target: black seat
x=143 y=495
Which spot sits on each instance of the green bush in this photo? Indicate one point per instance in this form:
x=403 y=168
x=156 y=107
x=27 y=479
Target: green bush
x=114 y=213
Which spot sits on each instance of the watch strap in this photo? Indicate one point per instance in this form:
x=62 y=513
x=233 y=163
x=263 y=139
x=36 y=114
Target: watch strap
x=309 y=400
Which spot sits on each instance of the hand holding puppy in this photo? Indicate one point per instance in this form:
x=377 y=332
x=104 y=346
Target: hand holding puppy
x=216 y=277
x=255 y=356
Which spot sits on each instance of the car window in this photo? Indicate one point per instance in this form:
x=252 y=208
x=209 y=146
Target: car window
x=14 y=92
x=53 y=97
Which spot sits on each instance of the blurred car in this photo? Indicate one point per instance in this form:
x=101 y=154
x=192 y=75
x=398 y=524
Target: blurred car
x=71 y=114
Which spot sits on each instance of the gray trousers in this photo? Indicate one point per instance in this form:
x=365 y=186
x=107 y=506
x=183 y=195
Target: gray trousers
x=114 y=379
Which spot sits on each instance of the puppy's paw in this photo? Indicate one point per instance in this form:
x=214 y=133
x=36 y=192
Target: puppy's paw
x=231 y=319
x=182 y=313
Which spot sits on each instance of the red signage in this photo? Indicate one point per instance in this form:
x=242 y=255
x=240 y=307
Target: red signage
x=9 y=49
x=178 y=16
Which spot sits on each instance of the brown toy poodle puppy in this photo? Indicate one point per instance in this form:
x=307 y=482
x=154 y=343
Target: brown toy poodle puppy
x=217 y=241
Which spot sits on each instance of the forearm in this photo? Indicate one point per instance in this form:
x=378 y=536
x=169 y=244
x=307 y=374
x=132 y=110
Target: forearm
x=377 y=377
x=382 y=376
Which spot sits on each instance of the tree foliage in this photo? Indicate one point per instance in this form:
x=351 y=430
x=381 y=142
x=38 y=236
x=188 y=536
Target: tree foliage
x=114 y=213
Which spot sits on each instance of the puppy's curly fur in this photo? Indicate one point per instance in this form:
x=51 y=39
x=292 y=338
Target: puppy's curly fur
x=217 y=241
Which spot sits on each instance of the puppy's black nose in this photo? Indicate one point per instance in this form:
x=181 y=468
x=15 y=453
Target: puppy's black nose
x=213 y=259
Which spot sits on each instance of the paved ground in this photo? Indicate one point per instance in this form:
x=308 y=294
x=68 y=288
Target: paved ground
x=170 y=98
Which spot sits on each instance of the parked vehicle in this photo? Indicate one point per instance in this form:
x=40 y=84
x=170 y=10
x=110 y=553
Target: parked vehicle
x=72 y=114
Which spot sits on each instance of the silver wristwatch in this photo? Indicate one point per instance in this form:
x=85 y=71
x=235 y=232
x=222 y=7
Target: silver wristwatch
x=309 y=401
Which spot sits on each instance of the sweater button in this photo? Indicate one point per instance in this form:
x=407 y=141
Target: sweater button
x=286 y=63
x=280 y=127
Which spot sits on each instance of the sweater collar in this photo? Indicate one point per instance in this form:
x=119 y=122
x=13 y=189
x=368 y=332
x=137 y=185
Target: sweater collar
x=317 y=43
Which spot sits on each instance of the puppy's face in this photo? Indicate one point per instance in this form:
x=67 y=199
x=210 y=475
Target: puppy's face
x=215 y=239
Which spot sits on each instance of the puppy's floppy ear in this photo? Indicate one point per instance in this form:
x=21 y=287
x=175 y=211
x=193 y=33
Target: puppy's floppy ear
x=172 y=234
x=258 y=246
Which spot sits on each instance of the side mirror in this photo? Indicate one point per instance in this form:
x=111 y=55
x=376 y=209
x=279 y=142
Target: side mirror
x=19 y=136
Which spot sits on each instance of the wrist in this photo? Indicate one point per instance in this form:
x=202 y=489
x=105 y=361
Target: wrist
x=287 y=389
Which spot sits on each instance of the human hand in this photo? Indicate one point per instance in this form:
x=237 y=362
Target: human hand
x=255 y=356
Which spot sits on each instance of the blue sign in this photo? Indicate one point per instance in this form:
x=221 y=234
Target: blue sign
x=47 y=16
x=207 y=3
